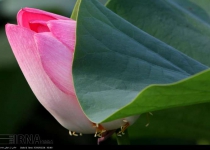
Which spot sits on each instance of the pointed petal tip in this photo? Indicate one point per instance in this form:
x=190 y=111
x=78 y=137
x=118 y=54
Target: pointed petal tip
x=64 y=31
x=8 y=25
x=9 y=28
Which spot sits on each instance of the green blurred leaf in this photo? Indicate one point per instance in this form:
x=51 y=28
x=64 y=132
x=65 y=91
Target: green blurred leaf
x=16 y=100
x=114 y=61
x=179 y=23
x=7 y=59
x=204 y=4
x=186 y=123
x=76 y=10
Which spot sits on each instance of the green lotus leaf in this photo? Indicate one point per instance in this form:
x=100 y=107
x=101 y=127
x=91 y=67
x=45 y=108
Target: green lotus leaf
x=119 y=70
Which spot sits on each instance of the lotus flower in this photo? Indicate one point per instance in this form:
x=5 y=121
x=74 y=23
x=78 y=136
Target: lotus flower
x=43 y=44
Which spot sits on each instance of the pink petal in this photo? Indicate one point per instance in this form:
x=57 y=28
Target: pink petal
x=64 y=31
x=39 y=26
x=26 y=15
x=65 y=108
x=56 y=60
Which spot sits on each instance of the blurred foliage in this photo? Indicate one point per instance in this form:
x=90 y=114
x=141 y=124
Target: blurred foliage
x=21 y=113
x=188 y=123
x=7 y=60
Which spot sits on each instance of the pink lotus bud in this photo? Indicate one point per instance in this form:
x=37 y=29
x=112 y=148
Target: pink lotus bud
x=43 y=44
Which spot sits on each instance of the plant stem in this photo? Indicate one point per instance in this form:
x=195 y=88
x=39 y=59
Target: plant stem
x=124 y=139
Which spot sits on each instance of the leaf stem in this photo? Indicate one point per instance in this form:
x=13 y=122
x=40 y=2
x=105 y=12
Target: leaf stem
x=124 y=139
